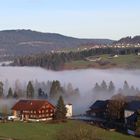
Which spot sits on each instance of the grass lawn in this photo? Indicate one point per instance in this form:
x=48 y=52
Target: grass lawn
x=123 y=61
x=44 y=131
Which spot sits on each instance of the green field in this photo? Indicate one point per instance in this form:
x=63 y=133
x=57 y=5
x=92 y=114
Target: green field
x=45 y=131
x=131 y=61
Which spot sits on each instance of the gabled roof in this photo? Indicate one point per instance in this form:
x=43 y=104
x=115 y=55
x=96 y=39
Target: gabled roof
x=99 y=104
x=133 y=106
x=132 y=118
x=31 y=105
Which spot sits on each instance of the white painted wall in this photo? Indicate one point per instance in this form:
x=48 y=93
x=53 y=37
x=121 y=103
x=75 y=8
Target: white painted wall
x=69 y=110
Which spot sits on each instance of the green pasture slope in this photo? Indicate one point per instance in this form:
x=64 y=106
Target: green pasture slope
x=45 y=131
x=131 y=61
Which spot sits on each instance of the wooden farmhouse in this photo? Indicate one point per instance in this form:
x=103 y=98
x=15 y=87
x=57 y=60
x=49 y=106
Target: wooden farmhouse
x=33 y=110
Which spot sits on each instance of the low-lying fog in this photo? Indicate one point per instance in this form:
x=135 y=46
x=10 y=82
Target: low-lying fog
x=82 y=79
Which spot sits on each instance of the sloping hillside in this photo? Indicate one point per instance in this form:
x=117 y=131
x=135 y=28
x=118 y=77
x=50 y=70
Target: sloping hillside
x=24 y=42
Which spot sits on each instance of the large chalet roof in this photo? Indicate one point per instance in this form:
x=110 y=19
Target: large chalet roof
x=31 y=105
x=133 y=106
x=99 y=104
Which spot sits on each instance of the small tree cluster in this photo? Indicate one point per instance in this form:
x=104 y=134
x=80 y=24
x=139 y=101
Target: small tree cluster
x=103 y=88
x=126 y=90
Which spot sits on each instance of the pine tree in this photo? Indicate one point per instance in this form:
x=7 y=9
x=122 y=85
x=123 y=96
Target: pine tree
x=126 y=87
x=111 y=87
x=55 y=90
x=30 y=90
x=1 y=90
x=60 y=113
x=40 y=93
x=15 y=96
x=10 y=93
x=97 y=88
x=103 y=86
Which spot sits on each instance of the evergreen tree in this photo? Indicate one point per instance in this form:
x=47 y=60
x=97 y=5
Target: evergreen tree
x=30 y=90
x=1 y=90
x=56 y=90
x=61 y=110
x=40 y=92
x=10 y=93
x=97 y=88
x=15 y=96
x=111 y=87
x=69 y=88
x=125 y=87
x=76 y=92
x=103 y=86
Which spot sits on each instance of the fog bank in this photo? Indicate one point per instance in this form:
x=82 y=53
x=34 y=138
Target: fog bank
x=82 y=79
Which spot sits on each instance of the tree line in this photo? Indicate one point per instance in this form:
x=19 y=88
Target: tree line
x=40 y=90
x=111 y=88
x=56 y=61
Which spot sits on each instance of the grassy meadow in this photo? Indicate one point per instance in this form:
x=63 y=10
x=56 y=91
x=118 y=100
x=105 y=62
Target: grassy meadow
x=131 y=61
x=47 y=131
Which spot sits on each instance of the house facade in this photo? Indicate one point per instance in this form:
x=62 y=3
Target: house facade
x=98 y=109
x=33 y=110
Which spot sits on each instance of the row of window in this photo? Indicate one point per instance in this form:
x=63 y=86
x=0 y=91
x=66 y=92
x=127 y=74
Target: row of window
x=43 y=115
x=43 y=111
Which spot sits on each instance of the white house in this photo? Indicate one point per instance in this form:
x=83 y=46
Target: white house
x=69 y=110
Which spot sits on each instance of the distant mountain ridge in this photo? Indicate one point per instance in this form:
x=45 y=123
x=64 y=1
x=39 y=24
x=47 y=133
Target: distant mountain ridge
x=129 y=40
x=25 y=42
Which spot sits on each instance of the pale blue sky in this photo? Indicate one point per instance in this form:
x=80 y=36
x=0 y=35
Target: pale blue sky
x=79 y=18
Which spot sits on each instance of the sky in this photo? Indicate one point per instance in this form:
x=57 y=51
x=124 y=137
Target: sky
x=78 y=18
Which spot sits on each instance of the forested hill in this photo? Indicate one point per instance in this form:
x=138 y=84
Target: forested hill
x=129 y=40
x=25 y=42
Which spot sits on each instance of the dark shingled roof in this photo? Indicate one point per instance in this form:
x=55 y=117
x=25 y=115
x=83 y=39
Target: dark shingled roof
x=134 y=106
x=132 y=118
x=99 y=104
x=31 y=105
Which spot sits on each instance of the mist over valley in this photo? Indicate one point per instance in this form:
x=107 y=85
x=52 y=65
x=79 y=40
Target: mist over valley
x=84 y=80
